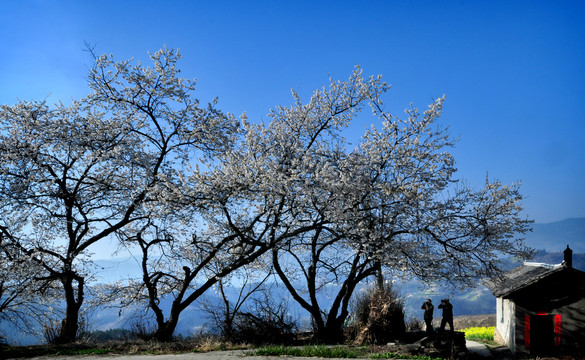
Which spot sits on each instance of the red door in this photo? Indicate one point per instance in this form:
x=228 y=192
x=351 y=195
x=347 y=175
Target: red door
x=542 y=333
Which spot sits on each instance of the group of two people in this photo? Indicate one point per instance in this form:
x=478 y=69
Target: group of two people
x=447 y=315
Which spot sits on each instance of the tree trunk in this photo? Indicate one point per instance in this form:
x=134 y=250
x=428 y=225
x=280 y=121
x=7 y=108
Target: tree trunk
x=164 y=333
x=166 y=329
x=70 y=324
x=331 y=332
x=379 y=275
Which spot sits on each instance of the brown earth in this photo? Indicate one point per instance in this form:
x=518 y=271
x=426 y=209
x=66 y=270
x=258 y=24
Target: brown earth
x=138 y=348
x=466 y=321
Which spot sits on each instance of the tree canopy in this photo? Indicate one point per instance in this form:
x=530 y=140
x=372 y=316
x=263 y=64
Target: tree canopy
x=202 y=194
x=392 y=200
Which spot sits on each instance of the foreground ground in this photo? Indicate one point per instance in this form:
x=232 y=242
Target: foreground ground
x=179 y=351
x=210 y=350
x=228 y=355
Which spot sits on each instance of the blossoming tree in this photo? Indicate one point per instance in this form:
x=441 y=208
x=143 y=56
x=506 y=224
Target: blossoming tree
x=392 y=200
x=74 y=175
x=19 y=302
x=201 y=194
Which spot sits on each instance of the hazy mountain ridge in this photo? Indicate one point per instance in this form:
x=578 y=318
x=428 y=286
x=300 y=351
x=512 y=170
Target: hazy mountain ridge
x=554 y=237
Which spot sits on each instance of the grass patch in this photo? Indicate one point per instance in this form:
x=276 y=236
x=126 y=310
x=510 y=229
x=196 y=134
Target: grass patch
x=82 y=352
x=27 y=352
x=307 y=351
x=391 y=355
x=333 y=352
x=134 y=347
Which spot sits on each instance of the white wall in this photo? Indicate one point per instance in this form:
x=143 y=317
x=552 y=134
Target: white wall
x=505 y=322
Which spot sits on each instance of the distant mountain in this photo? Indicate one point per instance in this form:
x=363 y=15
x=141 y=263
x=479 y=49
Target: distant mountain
x=555 y=236
x=550 y=237
x=557 y=258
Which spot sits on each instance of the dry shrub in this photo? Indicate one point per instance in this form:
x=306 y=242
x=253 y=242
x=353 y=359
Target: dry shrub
x=414 y=325
x=51 y=329
x=205 y=343
x=267 y=323
x=142 y=329
x=378 y=317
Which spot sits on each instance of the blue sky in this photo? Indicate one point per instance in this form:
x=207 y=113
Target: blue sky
x=513 y=71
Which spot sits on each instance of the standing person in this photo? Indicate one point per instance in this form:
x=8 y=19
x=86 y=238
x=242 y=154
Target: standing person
x=428 y=308
x=447 y=315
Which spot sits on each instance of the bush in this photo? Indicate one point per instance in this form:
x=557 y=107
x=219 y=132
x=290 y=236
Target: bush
x=109 y=335
x=142 y=329
x=378 y=317
x=414 y=325
x=51 y=329
x=268 y=323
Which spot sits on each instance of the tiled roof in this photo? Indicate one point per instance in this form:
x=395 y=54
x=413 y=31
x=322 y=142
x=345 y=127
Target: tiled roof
x=521 y=277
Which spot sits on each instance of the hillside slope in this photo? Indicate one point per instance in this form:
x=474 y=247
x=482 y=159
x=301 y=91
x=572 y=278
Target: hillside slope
x=555 y=236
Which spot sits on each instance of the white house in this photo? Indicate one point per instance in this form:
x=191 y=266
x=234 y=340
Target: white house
x=541 y=308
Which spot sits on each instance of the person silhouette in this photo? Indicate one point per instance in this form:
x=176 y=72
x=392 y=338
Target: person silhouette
x=428 y=316
x=447 y=315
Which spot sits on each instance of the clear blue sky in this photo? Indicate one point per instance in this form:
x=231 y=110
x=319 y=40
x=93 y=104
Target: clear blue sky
x=513 y=71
